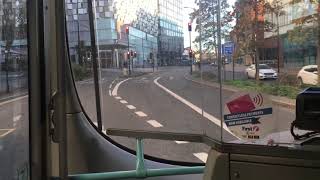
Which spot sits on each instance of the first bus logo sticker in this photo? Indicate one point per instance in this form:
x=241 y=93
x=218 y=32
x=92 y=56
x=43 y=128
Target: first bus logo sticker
x=249 y=115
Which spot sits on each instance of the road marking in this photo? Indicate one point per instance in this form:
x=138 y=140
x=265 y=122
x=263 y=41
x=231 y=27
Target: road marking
x=141 y=114
x=6 y=132
x=131 y=107
x=110 y=86
x=181 y=142
x=95 y=123
x=113 y=82
x=124 y=102
x=13 y=100
x=109 y=92
x=202 y=156
x=115 y=89
x=104 y=131
x=118 y=97
x=194 y=107
x=171 y=78
x=154 y=123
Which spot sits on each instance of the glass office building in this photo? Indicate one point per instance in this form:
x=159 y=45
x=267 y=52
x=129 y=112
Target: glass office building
x=171 y=34
x=155 y=31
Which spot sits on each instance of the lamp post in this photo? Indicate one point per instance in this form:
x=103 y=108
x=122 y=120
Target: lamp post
x=7 y=69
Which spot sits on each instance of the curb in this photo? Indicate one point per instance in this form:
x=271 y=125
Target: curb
x=291 y=106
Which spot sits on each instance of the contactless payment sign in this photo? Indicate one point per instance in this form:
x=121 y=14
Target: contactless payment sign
x=249 y=116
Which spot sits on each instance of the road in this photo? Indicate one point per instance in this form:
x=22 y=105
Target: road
x=165 y=101
x=161 y=101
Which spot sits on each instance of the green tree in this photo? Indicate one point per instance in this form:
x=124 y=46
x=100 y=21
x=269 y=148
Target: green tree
x=307 y=29
x=205 y=17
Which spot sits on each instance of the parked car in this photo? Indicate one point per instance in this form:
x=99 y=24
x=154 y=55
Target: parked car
x=265 y=72
x=308 y=75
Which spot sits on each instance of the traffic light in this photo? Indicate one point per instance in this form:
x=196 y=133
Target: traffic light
x=190 y=54
x=135 y=54
x=131 y=53
x=127 y=30
x=128 y=55
x=189 y=26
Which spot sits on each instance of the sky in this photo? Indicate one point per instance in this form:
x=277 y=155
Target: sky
x=186 y=20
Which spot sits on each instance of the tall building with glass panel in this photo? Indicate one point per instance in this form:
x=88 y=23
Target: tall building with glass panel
x=170 y=34
x=155 y=31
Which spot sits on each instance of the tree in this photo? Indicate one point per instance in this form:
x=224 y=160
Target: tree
x=307 y=29
x=205 y=17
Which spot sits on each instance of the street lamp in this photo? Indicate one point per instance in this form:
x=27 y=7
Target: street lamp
x=6 y=52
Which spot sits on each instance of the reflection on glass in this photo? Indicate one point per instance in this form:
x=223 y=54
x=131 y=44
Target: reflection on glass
x=14 y=123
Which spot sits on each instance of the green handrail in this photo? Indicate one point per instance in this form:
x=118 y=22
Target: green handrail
x=140 y=172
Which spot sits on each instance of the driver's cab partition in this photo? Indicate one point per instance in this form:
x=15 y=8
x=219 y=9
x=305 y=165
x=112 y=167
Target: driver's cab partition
x=242 y=161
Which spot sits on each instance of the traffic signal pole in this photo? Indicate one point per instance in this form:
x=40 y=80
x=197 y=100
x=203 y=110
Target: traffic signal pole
x=190 y=29
x=129 y=57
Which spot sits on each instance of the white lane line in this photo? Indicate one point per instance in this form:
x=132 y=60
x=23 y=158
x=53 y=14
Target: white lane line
x=141 y=114
x=13 y=100
x=124 y=102
x=7 y=131
x=154 y=123
x=113 y=82
x=109 y=92
x=118 y=97
x=115 y=89
x=202 y=156
x=110 y=86
x=181 y=142
x=131 y=107
x=194 y=107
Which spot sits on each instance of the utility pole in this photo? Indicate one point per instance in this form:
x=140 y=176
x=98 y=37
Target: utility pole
x=78 y=33
x=190 y=29
x=200 y=32
x=129 y=54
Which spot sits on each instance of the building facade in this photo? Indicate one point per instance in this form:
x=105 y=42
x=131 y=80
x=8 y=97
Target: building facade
x=155 y=31
x=171 y=43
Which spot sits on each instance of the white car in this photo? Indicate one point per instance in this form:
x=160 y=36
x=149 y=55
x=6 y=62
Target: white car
x=308 y=75
x=265 y=72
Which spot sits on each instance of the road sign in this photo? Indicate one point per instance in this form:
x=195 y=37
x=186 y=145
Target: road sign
x=227 y=48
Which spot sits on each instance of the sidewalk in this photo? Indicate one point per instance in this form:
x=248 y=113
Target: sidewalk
x=278 y=100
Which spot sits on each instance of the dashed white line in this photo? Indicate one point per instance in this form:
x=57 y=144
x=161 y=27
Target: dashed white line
x=131 y=107
x=181 y=142
x=141 y=114
x=192 y=106
x=154 y=123
x=115 y=89
x=202 y=156
x=118 y=97
x=124 y=102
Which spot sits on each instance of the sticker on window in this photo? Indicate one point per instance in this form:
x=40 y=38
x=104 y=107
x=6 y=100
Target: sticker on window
x=249 y=116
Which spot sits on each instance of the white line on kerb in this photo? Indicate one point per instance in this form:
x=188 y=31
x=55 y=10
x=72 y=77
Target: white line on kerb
x=124 y=102
x=181 y=142
x=202 y=156
x=12 y=100
x=115 y=89
x=154 y=123
x=192 y=106
x=131 y=107
x=141 y=114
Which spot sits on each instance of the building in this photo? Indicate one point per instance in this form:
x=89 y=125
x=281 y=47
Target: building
x=171 y=43
x=155 y=32
x=287 y=37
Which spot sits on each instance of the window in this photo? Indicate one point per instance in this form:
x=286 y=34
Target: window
x=164 y=92
x=14 y=108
